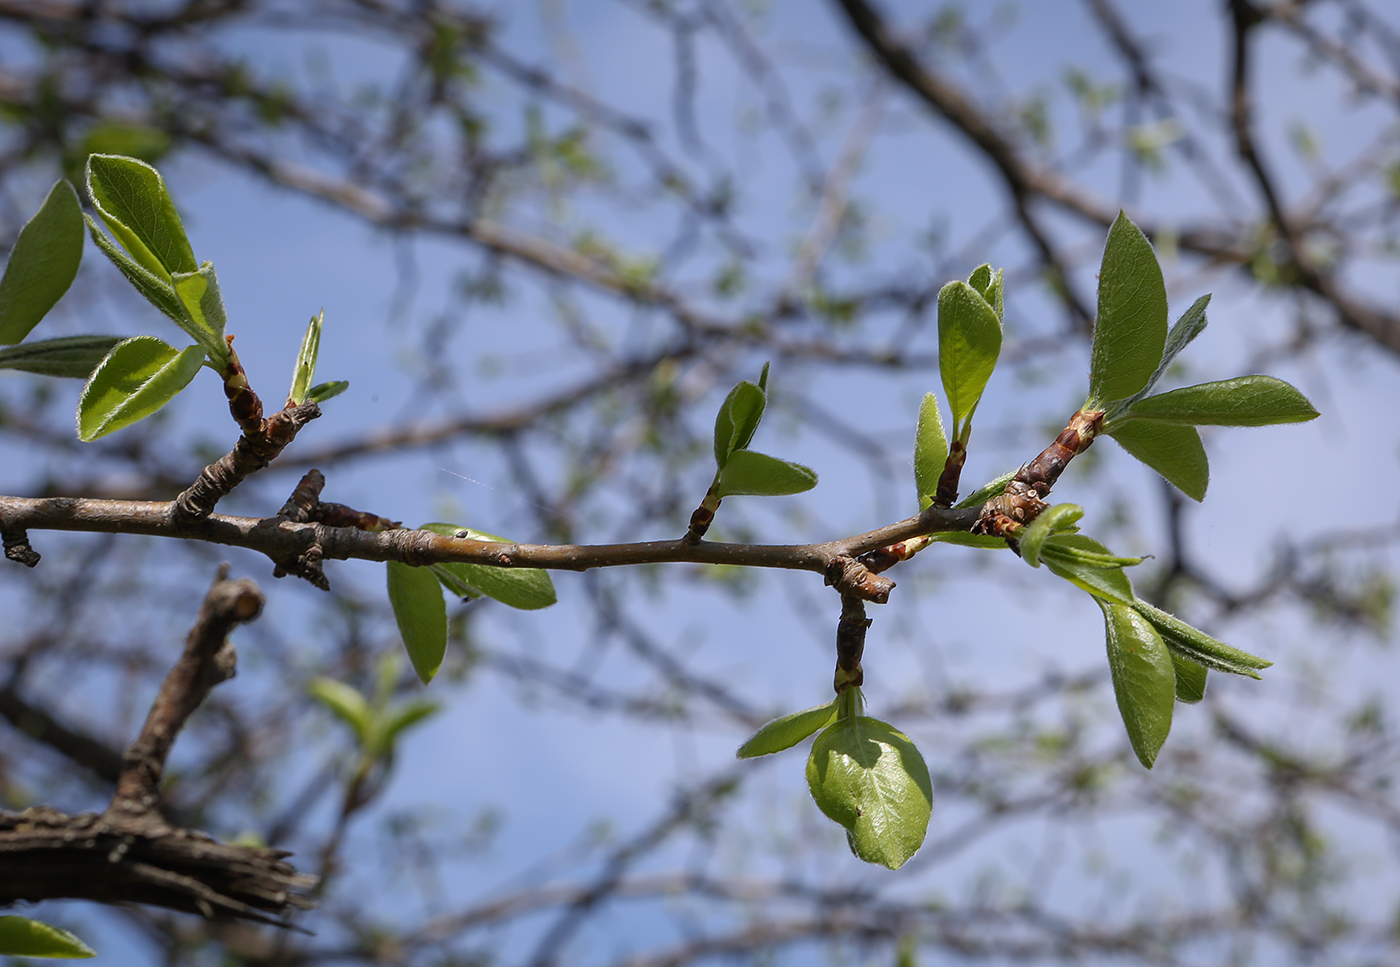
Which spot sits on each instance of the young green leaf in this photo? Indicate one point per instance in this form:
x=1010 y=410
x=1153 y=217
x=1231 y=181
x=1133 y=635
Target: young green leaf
x=527 y=588
x=391 y=724
x=1144 y=681
x=454 y=583
x=1191 y=324
x=786 y=732
x=130 y=196
x=1197 y=646
x=421 y=615
x=324 y=391
x=157 y=291
x=930 y=450
x=305 y=369
x=870 y=778
x=1190 y=679
x=138 y=377
x=987 y=491
x=1058 y=519
x=43 y=263
x=747 y=472
x=204 y=314
x=1242 y=401
x=22 y=937
x=1131 y=331
x=348 y=705
x=989 y=285
x=1176 y=452
x=72 y=356
x=1075 y=549
x=1104 y=583
x=738 y=419
x=969 y=341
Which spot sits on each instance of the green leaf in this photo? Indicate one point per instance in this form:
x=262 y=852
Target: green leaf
x=159 y=292
x=1190 y=679
x=969 y=341
x=870 y=778
x=786 y=732
x=1068 y=548
x=1191 y=324
x=1052 y=520
x=73 y=356
x=1197 y=646
x=969 y=539
x=989 y=285
x=747 y=472
x=130 y=196
x=987 y=491
x=738 y=419
x=348 y=705
x=527 y=588
x=1176 y=452
x=22 y=937
x=42 y=264
x=1104 y=583
x=138 y=377
x=1144 y=681
x=324 y=391
x=1131 y=331
x=306 y=360
x=1242 y=401
x=930 y=450
x=421 y=614
x=204 y=316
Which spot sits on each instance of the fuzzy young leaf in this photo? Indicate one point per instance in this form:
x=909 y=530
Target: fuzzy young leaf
x=1131 y=331
x=785 y=732
x=325 y=391
x=1067 y=548
x=1176 y=452
x=43 y=263
x=1108 y=584
x=130 y=196
x=1191 y=324
x=421 y=615
x=987 y=491
x=870 y=778
x=747 y=472
x=22 y=937
x=1058 y=519
x=989 y=285
x=305 y=369
x=205 y=318
x=969 y=341
x=738 y=419
x=159 y=292
x=930 y=450
x=1190 y=679
x=348 y=705
x=1242 y=401
x=71 y=356
x=1197 y=646
x=138 y=377
x=1144 y=681
x=527 y=588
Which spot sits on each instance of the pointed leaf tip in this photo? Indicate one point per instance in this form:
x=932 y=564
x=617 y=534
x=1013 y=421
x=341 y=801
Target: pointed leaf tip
x=1130 y=333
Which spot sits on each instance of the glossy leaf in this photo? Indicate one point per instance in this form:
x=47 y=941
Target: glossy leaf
x=43 y=263
x=1191 y=324
x=930 y=450
x=71 y=356
x=527 y=588
x=305 y=369
x=1242 y=401
x=870 y=778
x=1104 y=583
x=747 y=472
x=1195 y=645
x=1130 y=333
x=325 y=391
x=22 y=937
x=785 y=732
x=348 y=705
x=204 y=316
x=421 y=615
x=1190 y=679
x=969 y=341
x=1060 y=518
x=738 y=419
x=130 y=196
x=159 y=292
x=1144 y=681
x=1176 y=452
x=138 y=377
